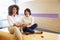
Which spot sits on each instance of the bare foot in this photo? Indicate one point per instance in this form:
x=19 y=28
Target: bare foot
x=38 y=32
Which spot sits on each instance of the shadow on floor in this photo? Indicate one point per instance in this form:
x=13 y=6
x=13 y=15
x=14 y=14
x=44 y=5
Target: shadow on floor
x=45 y=30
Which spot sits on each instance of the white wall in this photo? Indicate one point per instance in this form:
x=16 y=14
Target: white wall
x=41 y=6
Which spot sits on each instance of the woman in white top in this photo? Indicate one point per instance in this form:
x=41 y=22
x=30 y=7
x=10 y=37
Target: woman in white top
x=14 y=21
x=29 y=23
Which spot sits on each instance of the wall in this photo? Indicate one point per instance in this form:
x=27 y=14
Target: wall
x=41 y=6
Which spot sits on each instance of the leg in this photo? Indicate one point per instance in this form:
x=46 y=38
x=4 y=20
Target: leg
x=10 y=29
x=16 y=32
x=26 y=29
x=33 y=26
x=31 y=29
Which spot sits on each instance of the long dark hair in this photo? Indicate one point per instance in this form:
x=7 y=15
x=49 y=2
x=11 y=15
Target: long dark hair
x=10 y=9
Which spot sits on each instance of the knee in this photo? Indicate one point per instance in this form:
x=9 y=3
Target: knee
x=35 y=24
x=15 y=28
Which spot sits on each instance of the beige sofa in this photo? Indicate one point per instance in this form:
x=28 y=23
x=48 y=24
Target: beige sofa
x=6 y=36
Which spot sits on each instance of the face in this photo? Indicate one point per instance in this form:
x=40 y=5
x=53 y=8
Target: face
x=27 y=14
x=14 y=10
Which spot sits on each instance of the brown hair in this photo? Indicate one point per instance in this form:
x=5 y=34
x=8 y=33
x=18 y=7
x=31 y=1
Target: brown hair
x=27 y=9
x=10 y=9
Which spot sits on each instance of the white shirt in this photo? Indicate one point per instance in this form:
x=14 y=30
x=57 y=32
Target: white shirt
x=27 y=20
x=13 y=19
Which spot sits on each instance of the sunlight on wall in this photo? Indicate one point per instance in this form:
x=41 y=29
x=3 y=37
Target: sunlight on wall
x=21 y=4
x=4 y=4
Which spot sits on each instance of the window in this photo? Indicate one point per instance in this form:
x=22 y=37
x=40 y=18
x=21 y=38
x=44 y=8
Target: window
x=4 y=4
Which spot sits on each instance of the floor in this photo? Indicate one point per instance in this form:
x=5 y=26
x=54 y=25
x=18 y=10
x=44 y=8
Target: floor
x=46 y=36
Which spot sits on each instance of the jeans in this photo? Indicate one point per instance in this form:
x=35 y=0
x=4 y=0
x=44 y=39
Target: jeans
x=30 y=29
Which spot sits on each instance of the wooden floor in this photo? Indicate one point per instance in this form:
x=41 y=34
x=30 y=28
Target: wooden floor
x=46 y=36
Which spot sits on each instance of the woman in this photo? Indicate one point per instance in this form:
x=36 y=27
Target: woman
x=14 y=21
x=28 y=22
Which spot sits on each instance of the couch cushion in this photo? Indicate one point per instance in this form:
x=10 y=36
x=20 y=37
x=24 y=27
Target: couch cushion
x=6 y=36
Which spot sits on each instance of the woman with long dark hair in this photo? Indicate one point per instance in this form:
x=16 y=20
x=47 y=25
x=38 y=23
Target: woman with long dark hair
x=14 y=21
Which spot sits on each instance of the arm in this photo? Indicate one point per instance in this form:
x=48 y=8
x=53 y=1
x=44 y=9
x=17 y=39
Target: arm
x=11 y=21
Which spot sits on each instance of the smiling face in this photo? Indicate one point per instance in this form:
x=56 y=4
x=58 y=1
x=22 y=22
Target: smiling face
x=14 y=10
x=27 y=14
